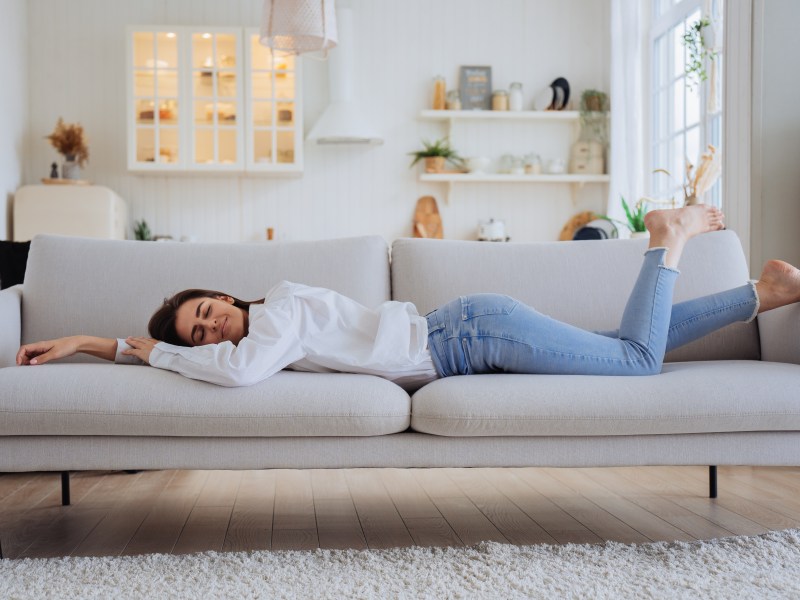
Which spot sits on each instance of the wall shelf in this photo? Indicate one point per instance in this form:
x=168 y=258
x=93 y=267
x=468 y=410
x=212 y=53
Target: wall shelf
x=505 y=178
x=500 y=115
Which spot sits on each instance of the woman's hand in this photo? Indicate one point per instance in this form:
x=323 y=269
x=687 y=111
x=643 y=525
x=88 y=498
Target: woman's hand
x=39 y=353
x=140 y=347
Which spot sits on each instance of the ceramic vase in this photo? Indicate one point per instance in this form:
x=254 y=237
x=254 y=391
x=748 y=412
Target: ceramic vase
x=70 y=169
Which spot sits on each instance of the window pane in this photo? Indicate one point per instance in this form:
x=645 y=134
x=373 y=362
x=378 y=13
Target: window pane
x=227 y=84
x=143 y=49
x=226 y=51
x=144 y=83
x=285 y=113
x=677 y=164
x=203 y=84
x=167 y=50
x=203 y=112
x=262 y=146
x=261 y=55
x=678 y=60
x=167 y=84
x=145 y=144
x=692 y=105
x=693 y=145
x=661 y=62
x=262 y=113
x=168 y=111
x=227 y=146
x=286 y=146
x=262 y=85
x=677 y=104
x=204 y=146
x=202 y=50
x=144 y=111
x=168 y=142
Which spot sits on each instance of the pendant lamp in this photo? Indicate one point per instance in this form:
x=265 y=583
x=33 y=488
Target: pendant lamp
x=299 y=26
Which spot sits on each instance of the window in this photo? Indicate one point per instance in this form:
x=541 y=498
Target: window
x=683 y=121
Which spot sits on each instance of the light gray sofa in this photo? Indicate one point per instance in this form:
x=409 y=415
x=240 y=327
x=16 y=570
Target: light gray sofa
x=731 y=398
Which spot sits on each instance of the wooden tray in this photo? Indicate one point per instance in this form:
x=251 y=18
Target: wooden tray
x=48 y=181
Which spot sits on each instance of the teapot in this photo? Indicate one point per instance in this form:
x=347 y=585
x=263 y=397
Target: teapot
x=492 y=231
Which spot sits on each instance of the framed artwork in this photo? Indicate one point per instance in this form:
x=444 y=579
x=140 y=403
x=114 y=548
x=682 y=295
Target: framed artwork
x=475 y=88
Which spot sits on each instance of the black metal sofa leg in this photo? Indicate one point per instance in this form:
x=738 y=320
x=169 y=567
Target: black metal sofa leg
x=65 y=488
x=712 y=482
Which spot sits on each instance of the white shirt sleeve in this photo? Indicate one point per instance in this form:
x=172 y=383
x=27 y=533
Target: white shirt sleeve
x=126 y=359
x=271 y=345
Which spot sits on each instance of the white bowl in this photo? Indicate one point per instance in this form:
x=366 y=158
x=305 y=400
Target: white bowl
x=478 y=164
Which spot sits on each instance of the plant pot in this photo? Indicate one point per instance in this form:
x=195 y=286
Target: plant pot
x=639 y=234
x=70 y=169
x=434 y=164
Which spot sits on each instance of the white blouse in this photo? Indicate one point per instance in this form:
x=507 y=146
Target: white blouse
x=310 y=329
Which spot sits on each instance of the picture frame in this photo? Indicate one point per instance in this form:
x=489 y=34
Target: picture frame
x=475 y=87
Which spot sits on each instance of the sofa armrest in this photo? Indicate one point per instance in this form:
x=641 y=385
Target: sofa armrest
x=779 y=330
x=11 y=318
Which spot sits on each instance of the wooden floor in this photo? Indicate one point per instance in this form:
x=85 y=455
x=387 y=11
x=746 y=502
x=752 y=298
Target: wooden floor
x=116 y=513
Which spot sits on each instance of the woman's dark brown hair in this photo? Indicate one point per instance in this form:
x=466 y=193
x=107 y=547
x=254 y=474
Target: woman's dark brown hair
x=162 y=323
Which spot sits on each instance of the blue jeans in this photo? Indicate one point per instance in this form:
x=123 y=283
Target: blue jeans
x=492 y=333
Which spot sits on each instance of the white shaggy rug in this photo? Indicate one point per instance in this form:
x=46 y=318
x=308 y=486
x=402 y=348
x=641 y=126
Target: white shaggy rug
x=738 y=567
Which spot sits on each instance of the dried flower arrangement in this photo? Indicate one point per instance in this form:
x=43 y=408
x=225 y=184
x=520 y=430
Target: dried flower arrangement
x=69 y=141
x=699 y=180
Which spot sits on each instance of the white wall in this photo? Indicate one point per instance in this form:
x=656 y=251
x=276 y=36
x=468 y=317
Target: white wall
x=77 y=65
x=13 y=104
x=776 y=134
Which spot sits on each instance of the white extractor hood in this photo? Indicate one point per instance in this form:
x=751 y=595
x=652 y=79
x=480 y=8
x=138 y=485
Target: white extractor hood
x=343 y=121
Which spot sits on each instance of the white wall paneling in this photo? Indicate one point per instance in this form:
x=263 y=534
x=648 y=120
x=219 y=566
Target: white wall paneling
x=76 y=59
x=13 y=104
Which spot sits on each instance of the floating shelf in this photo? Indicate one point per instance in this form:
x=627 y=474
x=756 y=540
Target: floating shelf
x=508 y=115
x=504 y=178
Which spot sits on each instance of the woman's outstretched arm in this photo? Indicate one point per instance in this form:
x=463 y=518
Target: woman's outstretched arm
x=39 y=353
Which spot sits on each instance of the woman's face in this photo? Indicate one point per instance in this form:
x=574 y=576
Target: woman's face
x=201 y=321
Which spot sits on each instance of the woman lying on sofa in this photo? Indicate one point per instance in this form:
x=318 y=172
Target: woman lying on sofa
x=214 y=337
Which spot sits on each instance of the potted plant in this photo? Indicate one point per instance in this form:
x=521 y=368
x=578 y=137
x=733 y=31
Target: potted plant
x=69 y=141
x=594 y=116
x=436 y=154
x=634 y=218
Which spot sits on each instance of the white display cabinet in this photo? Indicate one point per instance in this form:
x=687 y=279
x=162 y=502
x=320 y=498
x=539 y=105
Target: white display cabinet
x=211 y=100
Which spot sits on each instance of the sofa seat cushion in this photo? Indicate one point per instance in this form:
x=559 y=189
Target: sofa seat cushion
x=107 y=399
x=689 y=397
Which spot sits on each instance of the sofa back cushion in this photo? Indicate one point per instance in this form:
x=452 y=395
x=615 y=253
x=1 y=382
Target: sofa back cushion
x=585 y=283
x=111 y=288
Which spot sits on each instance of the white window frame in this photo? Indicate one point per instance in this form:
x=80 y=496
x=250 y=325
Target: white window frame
x=658 y=183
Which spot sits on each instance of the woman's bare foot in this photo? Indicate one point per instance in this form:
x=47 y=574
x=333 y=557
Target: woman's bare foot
x=672 y=228
x=778 y=285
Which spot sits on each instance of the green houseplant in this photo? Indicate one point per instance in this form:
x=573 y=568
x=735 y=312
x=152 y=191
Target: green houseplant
x=436 y=154
x=634 y=217
x=699 y=52
x=141 y=231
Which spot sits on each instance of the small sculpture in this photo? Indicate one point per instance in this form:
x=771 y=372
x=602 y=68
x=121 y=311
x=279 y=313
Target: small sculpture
x=54 y=171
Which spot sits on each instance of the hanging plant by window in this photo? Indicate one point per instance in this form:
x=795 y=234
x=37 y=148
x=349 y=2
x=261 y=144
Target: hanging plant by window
x=695 y=42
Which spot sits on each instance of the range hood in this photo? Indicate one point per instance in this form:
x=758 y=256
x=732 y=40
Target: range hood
x=343 y=121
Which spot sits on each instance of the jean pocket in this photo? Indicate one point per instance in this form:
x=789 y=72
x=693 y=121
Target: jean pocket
x=479 y=305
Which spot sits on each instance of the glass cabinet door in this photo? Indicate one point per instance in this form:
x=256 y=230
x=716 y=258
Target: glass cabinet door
x=216 y=99
x=202 y=100
x=275 y=123
x=156 y=105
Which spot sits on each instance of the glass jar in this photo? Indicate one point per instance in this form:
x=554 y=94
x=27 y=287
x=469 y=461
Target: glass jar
x=533 y=164
x=438 y=93
x=506 y=164
x=453 y=100
x=515 y=97
x=500 y=100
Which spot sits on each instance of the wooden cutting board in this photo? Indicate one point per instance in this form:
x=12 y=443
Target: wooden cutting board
x=427 y=220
